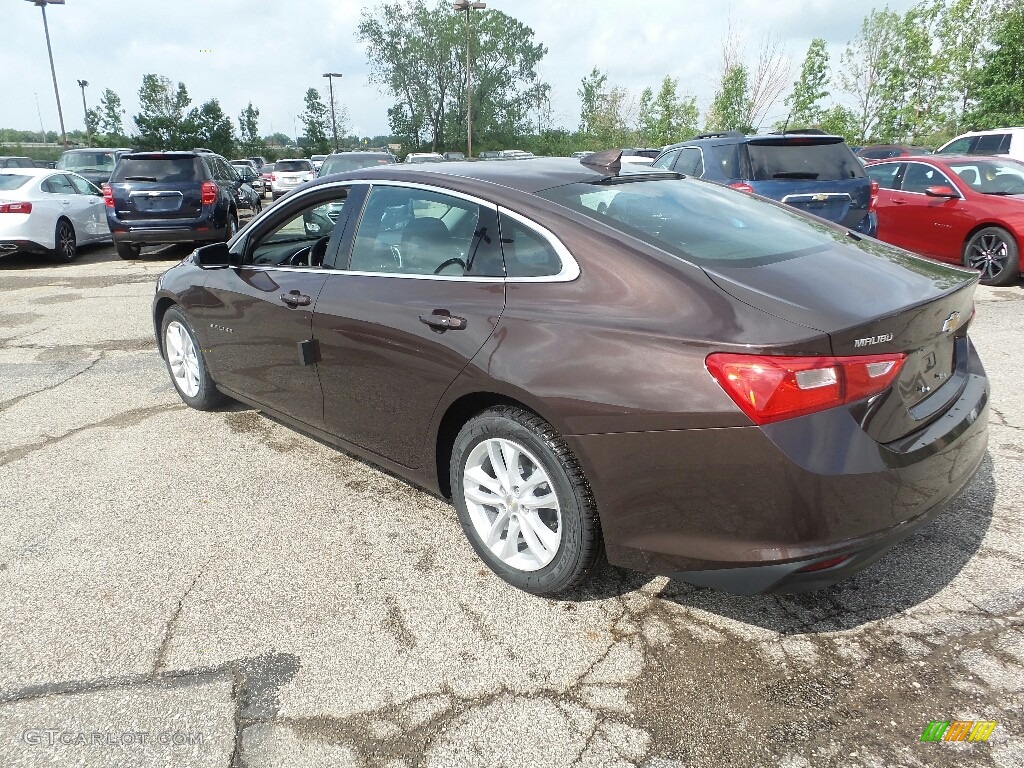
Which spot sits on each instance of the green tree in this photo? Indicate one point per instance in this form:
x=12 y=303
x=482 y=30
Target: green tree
x=249 y=131
x=591 y=89
x=997 y=88
x=810 y=87
x=208 y=127
x=104 y=121
x=666 y=118
x=316 y=123
x=416 y=50
x=161 y=113
x=731 y=108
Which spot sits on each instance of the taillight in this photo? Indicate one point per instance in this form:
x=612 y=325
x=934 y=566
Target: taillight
x=821 y=565
x=209 y=193
x=742 y=187
x=769 y=388
x=15 y=207
x=108 y=196
x=273 y=177
x=874 y=196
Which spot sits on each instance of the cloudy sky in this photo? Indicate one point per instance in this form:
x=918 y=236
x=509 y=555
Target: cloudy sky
x=270 y=51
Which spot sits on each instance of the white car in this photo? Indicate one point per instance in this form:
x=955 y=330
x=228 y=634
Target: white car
x=43 y=210
x=424 y=157
x=288 y=174
x=317 y=161
x=1007 y=142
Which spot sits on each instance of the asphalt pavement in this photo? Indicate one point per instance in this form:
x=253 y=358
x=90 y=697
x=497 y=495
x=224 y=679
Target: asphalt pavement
x=214 y=589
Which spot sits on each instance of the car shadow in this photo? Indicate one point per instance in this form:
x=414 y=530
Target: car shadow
x=915 y=569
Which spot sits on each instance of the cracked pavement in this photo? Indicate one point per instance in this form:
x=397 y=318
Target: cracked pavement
x=214 y=589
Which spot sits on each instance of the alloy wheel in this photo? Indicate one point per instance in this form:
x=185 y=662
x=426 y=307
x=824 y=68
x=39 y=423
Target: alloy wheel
x=66 y=246
x=989 y=253
x=512 y=504
x=182 y=358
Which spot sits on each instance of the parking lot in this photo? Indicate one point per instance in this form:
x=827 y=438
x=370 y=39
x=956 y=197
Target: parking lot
x=214 y=589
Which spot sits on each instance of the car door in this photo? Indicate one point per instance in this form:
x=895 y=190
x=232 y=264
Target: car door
x=422 y=292
x=929 y=222
x=90 y=216
x=64 y=201
x=887 y=176
x=258 y=315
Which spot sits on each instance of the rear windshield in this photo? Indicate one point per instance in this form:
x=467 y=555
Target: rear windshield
x=697 y=221
x=162 y=169
x=286 y=166
x=12 y=181
x=353 y=163
x=792 y=160
x=87 y=161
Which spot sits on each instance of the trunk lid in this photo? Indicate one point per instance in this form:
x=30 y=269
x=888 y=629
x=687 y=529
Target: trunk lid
x=872 y=300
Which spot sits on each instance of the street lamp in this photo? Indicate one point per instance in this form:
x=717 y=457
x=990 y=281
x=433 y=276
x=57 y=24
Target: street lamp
x=465 y=5
x=334 y=124
x=85 y=110
x=53 y=72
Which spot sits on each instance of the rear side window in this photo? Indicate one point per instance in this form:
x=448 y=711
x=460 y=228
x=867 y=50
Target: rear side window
x=885 y=174
x=159 y=169
x=727 y=158
x=293 y=166
x=527 y=252
x=992 y=144
x=59 y=184
x=691 y=161
x=821 y=162
x=666 y=160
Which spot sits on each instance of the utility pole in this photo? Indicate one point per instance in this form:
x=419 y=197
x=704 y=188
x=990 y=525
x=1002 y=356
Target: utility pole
x=465 y=5
x=334 y=123
x=53 y=72
x=85 y=110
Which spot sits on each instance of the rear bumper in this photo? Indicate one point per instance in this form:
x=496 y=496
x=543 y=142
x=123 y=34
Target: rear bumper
x=743 y=509
x=26 y=246
x=148 y=232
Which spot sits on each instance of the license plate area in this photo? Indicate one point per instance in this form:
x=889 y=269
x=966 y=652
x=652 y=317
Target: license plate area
x=162 y=202
x=927 y=369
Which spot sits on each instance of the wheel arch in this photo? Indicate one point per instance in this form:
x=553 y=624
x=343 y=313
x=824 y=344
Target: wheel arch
x=986 y=225
x=458 y=413
x=159 y=310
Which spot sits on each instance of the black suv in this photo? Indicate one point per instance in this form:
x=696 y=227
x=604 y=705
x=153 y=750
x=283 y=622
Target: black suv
x=809 y=170
x=171 y=197
x=93 y=163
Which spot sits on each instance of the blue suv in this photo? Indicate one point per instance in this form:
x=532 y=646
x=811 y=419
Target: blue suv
x=171 y=197
x=809 y=170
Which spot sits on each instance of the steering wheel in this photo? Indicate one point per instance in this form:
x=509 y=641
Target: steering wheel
x=396 y=254
x=307 y=257
x=448 y=263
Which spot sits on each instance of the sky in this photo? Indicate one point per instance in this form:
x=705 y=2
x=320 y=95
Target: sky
x=270 y=51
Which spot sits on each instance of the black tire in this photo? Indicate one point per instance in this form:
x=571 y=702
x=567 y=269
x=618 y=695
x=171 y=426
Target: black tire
x=65 y=245
x=994 y=252
x=581 y=547
x=207 y=397
x=128 y=251
x=257 y=205
x=232 y=226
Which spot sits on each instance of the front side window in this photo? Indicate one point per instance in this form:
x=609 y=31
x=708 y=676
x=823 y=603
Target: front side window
x=83 y=187
x=918 y=177
x=414 y=231
x=992 y=144
x=302 y=239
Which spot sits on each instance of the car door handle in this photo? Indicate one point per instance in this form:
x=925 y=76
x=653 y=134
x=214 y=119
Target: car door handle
x=296 y=299
x=899 y=200
x=442 y=320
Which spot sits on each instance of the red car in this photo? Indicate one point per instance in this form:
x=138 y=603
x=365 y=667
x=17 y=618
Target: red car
x=960 y=209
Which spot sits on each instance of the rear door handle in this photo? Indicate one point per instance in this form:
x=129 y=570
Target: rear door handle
x=442 y=320
x=296 y=299
x=899 y=200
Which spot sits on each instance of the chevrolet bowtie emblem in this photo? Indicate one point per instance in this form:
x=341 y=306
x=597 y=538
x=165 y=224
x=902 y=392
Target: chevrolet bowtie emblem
x=952 y=323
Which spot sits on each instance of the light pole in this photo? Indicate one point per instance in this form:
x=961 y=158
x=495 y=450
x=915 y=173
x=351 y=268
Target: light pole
x=85 y=110
x=53 y=72
x=334 y=124
x=465 y=5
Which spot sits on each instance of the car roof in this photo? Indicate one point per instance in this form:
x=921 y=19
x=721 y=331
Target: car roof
x=98 y=149
x=989 y=132
x=33 y=171
x=735 y=137
x=531 y=174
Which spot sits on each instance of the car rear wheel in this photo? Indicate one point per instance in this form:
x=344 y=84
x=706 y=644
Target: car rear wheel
x=232 y=226
x=994 y=252
x=523 y=501
x=65 y=247
x=186 y=364
x=128 y=250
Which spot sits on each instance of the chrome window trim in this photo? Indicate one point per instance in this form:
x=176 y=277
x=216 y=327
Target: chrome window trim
x=950 y=184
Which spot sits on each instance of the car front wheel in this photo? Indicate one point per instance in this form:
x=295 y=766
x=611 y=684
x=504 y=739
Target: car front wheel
x=994 y=252
x=523 y=501
x=186 y=364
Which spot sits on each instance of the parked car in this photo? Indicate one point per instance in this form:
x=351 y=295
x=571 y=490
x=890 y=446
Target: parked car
x=171 y=197
x=43 y=211
x=639 y=155
x=317 y=161
x=93 y=163
x=250 y=191
x=812 y=172
x=244 y=162
x=999 y=141
x=489 y=155
x=580 y=154
x=884 y=151
x=424 y=157
x=266 y=176
x=342 y=162
x=257 y=161
x=455 y=156
x=8 y=161
x=701 y=382
x=962 y=209
x=45 y=163
x=288 y=174
x=513 y=154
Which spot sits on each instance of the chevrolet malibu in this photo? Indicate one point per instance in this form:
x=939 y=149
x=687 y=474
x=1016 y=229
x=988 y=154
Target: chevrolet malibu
x=593 y=359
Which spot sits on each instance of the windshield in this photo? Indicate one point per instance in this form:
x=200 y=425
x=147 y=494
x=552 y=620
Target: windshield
x=697 y=221
x=292 y=166
x=353 y=163
x=87 y=161
x=803 y=159
x=991 y=177
x=12 y=181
